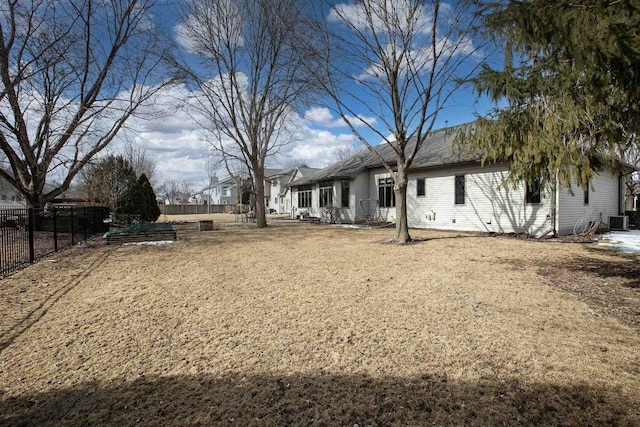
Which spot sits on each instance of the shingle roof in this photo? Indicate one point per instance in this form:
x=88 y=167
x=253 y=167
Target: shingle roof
x=437 y=150
x=268 y=172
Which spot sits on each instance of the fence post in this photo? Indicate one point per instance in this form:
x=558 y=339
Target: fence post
x=55 y=230
x=84 y=220
x=32 y=250
x=72 y=229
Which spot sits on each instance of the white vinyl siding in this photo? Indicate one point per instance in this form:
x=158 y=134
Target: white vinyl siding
x=360 y=192
x=487 y=207
x=575 y=216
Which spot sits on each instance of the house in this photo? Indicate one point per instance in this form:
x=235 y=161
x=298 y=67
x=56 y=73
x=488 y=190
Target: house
x=220 y=192
x=633 y=195
x=451 y=190
x=10 y=197
x=276 y=187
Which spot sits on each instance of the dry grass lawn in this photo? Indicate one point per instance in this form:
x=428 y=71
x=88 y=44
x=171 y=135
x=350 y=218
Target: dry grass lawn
x=303 y=324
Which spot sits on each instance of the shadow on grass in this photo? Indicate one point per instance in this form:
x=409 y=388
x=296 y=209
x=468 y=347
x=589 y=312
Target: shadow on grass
x=41 y=307
x=322 y=399
x=622 y=267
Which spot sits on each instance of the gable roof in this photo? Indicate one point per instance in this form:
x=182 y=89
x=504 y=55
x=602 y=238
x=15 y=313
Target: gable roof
x=437 y=150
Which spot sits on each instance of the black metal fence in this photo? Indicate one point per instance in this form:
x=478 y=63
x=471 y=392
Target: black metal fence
x=28 y=234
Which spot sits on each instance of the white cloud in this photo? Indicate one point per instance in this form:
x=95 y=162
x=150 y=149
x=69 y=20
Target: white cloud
x=211 y=26
x=379 y=12
x=172 y=134
x=315 y=148
x=321 y=116
x=406 y=28
x=420 y=60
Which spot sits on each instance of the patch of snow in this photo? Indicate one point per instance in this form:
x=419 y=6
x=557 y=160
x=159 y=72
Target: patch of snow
x=152 y=243
x=355 y=226
x=625 y=241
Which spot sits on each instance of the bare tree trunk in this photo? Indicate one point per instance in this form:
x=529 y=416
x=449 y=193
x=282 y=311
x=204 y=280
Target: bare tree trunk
x=258 y=185
x=400 y=190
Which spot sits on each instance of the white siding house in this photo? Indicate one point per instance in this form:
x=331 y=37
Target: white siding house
x=449 y=190
x=10 y=197
x=279 y=195
x=223 y=192
x=578 y=209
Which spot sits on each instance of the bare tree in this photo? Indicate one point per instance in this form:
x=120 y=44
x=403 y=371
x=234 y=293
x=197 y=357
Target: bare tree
x=345 y=152
x=239 y=173
x=140 y=160
x=71 y=74
x=108 y=179
x=175 y=191
x=260 y=76
x=399 y=61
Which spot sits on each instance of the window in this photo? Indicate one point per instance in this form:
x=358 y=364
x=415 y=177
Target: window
x=533 y=192
x=304 y=196
x=459 y=189
x=386 y=196
x=586 y=195
x=344 y=185
x=326 y=194
x=421 y=189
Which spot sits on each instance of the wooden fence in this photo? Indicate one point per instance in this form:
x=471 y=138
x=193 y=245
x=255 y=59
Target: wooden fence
x=194 y=209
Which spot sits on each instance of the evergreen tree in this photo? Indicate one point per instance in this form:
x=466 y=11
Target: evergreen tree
x=140 y=199
x=571 y=80
x=151 y=211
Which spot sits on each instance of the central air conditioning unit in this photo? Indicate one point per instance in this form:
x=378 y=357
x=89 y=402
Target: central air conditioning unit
x=618 y=223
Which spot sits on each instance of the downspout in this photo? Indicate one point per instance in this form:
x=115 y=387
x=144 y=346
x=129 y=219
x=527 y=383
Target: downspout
x=620 y=187
x=292 y=212
x=554 y=205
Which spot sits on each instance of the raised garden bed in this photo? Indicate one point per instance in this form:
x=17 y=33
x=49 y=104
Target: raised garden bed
x=141 y=232
x=153 y=236
x=311 y=219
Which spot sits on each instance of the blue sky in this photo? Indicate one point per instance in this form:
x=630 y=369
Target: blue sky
x=181 y=149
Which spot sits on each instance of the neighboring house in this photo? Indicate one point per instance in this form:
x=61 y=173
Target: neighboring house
x=269 y=192
x=10 y=197
x=277 y=190
x=220 y=192
x=450 y=190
